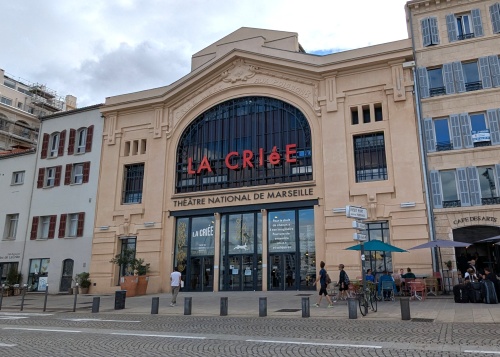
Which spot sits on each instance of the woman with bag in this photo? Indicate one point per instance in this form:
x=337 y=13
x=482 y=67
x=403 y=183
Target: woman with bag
x=343 y=283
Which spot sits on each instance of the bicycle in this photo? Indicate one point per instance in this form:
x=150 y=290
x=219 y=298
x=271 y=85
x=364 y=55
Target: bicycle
x=368 y=297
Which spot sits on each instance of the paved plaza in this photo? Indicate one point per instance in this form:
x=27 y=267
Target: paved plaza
x=246 y=304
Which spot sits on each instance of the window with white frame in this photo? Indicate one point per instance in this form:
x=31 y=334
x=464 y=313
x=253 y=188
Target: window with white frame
x=54 y=145
x=6 y=101
x=17 y=178
x=50 y=176
x=449 y=185
x=464 y=26
x=81 y=140
x=44 y=229
x=11 y=226
x=72 y=225
x=487 y=182
x=77 y=174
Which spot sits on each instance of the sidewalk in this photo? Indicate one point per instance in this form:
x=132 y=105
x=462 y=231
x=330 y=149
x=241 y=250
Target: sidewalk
x=246 y=304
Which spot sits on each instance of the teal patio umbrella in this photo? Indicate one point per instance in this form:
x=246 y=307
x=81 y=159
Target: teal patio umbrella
x=377 y=245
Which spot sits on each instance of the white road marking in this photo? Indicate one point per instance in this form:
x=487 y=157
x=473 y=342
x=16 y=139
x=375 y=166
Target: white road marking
x=23 y=314
x=85 y=320
x=13 y=317
x=315 y=343
x=7 y=345
x=485 y=352
x=38 y=329
x=150 y=335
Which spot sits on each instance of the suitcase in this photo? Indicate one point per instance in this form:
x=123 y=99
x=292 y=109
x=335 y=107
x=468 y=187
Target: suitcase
x=461 y=294
x=475 y=292
x=488 y=292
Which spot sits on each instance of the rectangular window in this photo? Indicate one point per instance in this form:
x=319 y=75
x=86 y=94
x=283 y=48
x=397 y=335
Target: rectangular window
x=81 y=140
x=378 y=112
x=436 y=83
x=495 y=17
x=77 y=174
x=366 y=114
x=132 y=183
x=72 y=224
x=430 y=31
x=54 y=145
x=11 y=226
x=369 y=157
x=6 y=101
x=472 y=79
x=449 y=189
x=443 y=139
x=480 y=132
x=464 y=27
x=50 y=176
x=354 y=116
x=487 y=182
x=17 y=178
x=374 y=261
x=44 y=227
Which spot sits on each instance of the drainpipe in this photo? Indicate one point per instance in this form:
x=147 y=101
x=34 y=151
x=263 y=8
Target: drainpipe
x=423 y=154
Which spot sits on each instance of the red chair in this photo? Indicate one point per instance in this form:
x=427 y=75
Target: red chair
x=417 y=290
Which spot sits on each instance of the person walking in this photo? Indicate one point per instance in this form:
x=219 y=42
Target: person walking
x=343 y=283
x=323 y=283
x=175 y=283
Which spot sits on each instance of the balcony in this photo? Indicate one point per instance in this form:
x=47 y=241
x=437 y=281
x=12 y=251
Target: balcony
x=490 y=201
x=472 y=86
x=452 y=204
x=444 y=146
x=434 y=92
x=465 y=36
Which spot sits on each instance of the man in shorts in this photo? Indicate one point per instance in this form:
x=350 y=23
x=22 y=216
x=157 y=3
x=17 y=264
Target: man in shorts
x=322 y=291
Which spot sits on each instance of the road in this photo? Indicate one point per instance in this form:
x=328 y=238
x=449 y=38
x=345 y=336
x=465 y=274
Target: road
x=62 y=334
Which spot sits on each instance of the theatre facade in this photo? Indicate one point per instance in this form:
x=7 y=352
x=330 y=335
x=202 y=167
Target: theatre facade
x=238 y=172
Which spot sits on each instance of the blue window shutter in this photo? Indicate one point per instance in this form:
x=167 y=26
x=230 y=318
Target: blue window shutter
x=426 y=32
x=484 y=68
x=495 y=17
x=477 y=23
x=497 y=171
x=458 y=73
x=494 y=126
x=429 y=135
x=455 y=131
x=434 y=30
x=463 y=187
x=475 y=190
x=423 y=81
x=495 y=70
x=466 y=130
x=451 y=26
x=449 y=82
x=437 y=197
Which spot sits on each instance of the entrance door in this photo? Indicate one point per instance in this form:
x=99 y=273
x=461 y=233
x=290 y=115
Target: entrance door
x=67 y=275
x=282 y=269
x=201 y=277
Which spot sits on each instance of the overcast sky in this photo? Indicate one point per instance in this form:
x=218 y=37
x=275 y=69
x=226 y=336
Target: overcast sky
x=100 y=48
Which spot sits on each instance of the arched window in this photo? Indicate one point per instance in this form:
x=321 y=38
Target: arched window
x=247 y=141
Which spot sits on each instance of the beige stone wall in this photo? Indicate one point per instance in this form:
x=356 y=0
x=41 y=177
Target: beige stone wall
x=324 y=93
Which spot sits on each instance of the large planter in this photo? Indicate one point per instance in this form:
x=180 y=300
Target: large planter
x=129 y=283
x=142 y=285
x=84 y=290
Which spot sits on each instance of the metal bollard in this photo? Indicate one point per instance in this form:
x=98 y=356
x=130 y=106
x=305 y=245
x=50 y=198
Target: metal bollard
x=24 y=294
x=76 y=297
x=1 y=295
x=223 y=306
x=155 y=304
x=262 y=307
x=45 y=298
x=405 y=308
x=96 y=301
x=352 y=304
x=188 y=302
x=306 y=311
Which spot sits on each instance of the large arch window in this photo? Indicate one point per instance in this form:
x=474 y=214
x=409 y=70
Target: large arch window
x=242 y=142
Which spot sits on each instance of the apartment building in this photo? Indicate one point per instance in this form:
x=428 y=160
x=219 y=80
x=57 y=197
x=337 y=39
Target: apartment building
x=457 y=44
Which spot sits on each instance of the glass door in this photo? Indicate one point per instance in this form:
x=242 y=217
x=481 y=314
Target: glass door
x=201 y=274
x=282 y=272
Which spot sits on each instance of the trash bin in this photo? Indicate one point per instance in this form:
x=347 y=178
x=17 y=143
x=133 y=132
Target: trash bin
x=120 y=299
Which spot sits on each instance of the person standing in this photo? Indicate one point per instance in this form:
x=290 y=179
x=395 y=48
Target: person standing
x=175 y=283
x=343 y=283
x=322 y=280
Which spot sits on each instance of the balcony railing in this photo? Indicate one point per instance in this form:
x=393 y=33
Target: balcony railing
x=452 y=204
x=437 y=91
x=444 y=146
x=472 y=86
x=490 y=201
x=465 y=36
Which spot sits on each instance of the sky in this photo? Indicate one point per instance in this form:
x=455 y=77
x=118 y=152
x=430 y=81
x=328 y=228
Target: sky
x=100 y=48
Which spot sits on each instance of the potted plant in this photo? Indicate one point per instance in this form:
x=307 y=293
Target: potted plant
x=83 y=280
x=13 y=280
x=448 y=264
x=127 y=262
x=141 y=269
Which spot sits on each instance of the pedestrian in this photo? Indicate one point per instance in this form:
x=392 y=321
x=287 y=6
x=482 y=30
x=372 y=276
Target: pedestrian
x=175 y=283
x=322 y=278
x=343 y=283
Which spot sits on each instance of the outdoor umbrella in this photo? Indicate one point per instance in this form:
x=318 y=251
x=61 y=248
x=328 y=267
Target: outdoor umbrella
x=441 y=244
x=377 y=245
x=491 y=239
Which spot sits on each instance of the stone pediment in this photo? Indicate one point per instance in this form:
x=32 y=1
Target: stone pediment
x=240 y=73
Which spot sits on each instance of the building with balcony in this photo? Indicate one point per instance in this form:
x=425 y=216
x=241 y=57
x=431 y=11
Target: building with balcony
x=22 y=103
x=239 y=173
x=457 y=48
